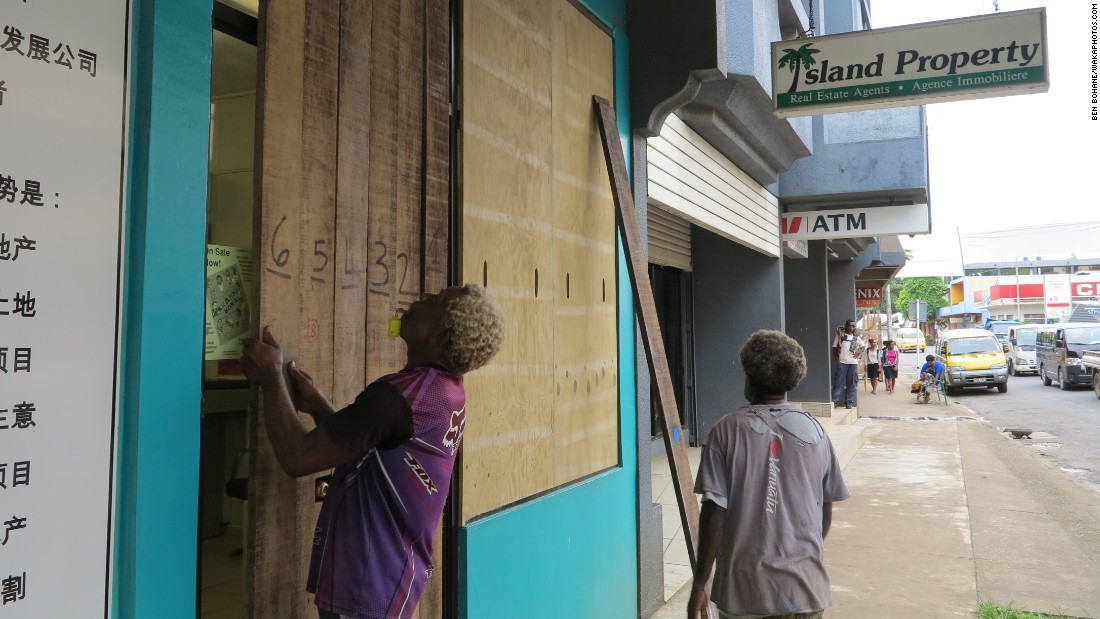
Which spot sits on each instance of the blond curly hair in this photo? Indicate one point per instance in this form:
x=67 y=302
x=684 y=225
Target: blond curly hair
x=476 y=327
x=774 y=362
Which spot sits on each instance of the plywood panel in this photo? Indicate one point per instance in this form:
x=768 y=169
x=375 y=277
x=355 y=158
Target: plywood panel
x=506 y=240
x=538 y=228
x=585 y=353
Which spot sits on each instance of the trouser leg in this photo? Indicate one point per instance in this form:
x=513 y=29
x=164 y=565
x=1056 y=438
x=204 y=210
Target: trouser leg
x=853 y=385
x=838 y=384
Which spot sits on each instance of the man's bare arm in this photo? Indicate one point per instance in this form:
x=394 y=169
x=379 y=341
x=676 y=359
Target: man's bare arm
x=826 y=518
x=298 y=451
x=711 y=524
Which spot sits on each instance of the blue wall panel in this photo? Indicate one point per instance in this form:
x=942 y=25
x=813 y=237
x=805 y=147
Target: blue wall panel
x=158 y=455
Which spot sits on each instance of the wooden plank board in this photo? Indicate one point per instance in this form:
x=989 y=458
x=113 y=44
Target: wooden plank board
x=316 y=282
x=637 y=269
x=279 y=122
x=355 y=117
x=435 y=241
x=385 y=268
x=352 y=202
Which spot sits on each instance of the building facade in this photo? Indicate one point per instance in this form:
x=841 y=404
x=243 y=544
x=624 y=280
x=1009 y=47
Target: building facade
x=315 y=165
x=714 y=171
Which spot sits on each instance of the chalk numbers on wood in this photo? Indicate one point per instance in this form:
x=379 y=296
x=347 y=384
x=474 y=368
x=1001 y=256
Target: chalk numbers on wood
x=280 y=257
x=383 y=275
x=321 y=261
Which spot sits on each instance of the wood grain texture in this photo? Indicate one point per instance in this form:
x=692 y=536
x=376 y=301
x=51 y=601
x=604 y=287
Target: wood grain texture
x=637 y=270
x=354 y=117
x=506 y=239
x=538 y=228
x=352 y=252
x=297 y=157
x=436 y=222
x=586 y=412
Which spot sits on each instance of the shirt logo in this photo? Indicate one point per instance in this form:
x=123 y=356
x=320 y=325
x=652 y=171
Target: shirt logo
x=453 y=437
x=421 y=474
x=773 y=474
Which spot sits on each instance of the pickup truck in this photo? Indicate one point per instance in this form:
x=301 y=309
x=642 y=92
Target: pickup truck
x=1090 y=361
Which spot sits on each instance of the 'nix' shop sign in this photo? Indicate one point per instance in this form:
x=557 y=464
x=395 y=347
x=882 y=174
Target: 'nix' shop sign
x=970 y=58
x=856 y=222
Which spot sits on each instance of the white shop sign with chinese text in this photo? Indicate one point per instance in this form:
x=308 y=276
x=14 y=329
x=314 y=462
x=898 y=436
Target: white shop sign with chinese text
x=63 y=119
x=857 y=222
x=969 y=58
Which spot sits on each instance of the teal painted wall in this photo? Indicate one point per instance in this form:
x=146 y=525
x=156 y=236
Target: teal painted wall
x=156 y=506
x=573 y=552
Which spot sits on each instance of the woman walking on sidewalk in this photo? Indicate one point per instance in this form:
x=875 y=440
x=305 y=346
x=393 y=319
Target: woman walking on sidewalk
x=890 y=357
x=872 y=364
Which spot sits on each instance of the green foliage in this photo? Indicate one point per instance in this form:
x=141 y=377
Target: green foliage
x=988 y=610
x=932 y=290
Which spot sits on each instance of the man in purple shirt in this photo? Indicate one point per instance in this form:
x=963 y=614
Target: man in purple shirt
x=393 y=450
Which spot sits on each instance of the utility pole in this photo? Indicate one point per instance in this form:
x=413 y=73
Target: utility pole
x=1019 y=315
x=889 y=315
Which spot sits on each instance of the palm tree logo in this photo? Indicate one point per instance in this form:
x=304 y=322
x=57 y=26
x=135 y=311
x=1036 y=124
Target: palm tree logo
x=795 y=59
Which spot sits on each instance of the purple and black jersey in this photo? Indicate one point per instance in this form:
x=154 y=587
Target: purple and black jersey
x=372 y=550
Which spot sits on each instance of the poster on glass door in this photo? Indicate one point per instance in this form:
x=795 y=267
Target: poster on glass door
x=62 y=116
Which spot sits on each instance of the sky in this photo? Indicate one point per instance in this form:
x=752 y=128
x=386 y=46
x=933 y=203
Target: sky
x=1008 y=162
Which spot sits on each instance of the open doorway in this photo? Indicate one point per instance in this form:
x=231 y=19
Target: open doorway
x=672 y=296
x=225 y=394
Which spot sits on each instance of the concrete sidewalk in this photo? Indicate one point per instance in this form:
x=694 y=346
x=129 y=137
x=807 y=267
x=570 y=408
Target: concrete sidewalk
x=948 y=512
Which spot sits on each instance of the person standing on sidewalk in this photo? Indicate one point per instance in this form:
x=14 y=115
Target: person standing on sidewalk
x=872 y=360
x=890 y=359
x=847 y=348
x=769 y=478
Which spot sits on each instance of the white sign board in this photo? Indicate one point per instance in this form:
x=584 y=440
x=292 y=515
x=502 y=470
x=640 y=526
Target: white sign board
x=1057 y=296
x=970 y=58
x=857 y=222
x=62 y=114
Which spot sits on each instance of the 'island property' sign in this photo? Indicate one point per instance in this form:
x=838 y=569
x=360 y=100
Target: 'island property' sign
x=970 y=58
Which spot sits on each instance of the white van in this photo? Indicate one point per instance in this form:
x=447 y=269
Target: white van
x=1021 y=349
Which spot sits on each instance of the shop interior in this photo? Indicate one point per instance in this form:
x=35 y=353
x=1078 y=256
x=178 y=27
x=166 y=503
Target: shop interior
x=225 y=394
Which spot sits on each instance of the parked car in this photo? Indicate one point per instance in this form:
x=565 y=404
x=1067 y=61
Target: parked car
x=974 y=358
x=1058 y=350
x=1021 y=349
x=909 y=339
x=1000 y=328
x=1090 y=361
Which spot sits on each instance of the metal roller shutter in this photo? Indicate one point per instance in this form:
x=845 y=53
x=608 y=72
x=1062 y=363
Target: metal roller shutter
x=669 y=239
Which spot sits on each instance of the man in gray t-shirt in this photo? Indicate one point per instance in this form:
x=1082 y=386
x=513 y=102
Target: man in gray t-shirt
x=768 y=477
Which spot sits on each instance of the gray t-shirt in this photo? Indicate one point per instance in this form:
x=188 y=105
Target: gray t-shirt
x=773 y=466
